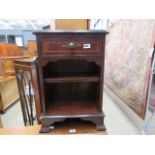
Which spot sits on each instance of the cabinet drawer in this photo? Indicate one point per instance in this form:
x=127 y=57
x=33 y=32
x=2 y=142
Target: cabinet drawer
x=73 y=47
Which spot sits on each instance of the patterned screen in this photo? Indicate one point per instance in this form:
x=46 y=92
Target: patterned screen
x=127 y=61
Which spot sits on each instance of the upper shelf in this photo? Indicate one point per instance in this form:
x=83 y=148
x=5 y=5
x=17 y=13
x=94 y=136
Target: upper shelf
x=62 y=79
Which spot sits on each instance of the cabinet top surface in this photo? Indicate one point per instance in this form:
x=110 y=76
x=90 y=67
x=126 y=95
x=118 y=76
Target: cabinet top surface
x=70 y=32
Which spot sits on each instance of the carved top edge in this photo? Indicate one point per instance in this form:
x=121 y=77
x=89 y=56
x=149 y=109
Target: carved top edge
x=70 y=32
x=30 y=60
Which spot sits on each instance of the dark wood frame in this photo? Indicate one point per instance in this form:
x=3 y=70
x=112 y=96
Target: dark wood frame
x=30 y=65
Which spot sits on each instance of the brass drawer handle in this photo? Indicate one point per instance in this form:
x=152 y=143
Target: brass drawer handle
x=71 y=45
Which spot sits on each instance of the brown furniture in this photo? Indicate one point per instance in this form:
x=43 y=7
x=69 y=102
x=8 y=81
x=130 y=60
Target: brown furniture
x=8 y=84
x=32 y=45
x=9 y=53
x=71 y=71
x=2 y=71
x=7 y=64
x=8 y=49
x=31 y=49
x=1 y=125
x=8 y=92
x=28 y=89
x=72 y=24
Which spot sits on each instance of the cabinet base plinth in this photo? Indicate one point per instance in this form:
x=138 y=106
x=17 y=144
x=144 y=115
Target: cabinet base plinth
x=49 y=120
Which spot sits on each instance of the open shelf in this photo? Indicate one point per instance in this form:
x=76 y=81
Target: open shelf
x=72 y=108
x=72 y=79
x=71 y=87
x=72 y=98
x=70 y=70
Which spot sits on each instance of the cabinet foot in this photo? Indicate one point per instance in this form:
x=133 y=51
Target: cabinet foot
x=99 y=121
x=47 y=124
x=100 y=127
x=45 y=129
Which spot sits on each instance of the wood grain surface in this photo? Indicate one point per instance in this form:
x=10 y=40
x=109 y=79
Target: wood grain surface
x=60 y=129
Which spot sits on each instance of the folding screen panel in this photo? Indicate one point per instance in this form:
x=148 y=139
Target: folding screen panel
x=128 y=61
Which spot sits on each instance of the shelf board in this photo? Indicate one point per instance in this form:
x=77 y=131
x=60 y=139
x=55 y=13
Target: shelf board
x=72 y=108
x=72 y=79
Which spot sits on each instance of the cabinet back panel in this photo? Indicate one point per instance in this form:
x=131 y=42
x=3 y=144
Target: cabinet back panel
x=71 y=68
x=71 y=91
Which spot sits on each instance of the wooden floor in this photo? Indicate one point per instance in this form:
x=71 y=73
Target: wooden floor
x=68 y=127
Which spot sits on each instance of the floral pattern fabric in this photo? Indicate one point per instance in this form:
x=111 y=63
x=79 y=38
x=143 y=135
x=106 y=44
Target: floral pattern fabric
x=126 y=60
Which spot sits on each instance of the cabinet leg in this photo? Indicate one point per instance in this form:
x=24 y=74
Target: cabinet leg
x=47 y=124
x=99 y=121
x=45 y=129
x=100 y=127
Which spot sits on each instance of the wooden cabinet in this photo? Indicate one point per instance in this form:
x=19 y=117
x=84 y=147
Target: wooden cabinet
x=8 y=92
x=8 y=84
x=71 y=24
x=8 y=49
x=28 y=90
x=7 y=65
x=8 y=54
x=32 y=48
x=1 y=125
x=71 y=71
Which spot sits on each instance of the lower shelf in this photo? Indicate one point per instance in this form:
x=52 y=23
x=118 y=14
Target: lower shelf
x=72 y=108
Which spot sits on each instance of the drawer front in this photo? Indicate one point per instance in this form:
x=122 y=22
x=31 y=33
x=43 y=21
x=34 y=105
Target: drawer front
x=74 y=47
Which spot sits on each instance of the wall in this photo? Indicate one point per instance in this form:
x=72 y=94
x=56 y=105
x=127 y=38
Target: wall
x=27 y=34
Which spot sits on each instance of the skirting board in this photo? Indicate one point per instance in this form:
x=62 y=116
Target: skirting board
x=133 y=117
